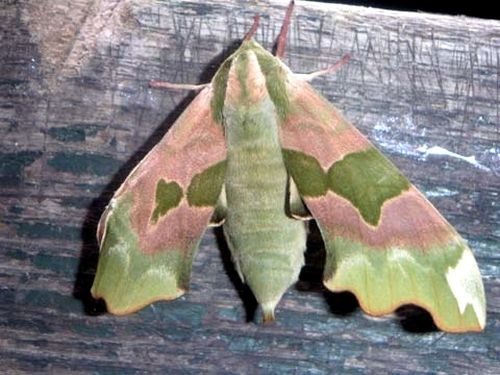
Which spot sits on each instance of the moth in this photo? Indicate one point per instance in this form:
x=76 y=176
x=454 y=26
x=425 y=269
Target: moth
x=259 y=151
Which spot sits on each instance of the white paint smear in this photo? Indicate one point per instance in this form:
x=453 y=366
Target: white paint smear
x=437 y=150
x=440 y=192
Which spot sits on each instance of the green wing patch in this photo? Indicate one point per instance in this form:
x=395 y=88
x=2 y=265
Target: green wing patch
x=366 y=178
x=168 y=195
x=205 y=187
x=204 y=190
x=307 y=173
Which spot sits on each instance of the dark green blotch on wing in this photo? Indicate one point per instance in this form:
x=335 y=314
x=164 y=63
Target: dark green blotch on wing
x=366 y=178
x=206 y=186
x=168 y=195
x=306 y=172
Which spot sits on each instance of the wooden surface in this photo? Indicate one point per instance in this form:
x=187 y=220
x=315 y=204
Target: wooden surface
x=76 y=115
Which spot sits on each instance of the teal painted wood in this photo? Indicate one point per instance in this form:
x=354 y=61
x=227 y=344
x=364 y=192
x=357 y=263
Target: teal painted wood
x=70 y=133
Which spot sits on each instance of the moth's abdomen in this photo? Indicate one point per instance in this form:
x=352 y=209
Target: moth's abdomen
x=267 y=246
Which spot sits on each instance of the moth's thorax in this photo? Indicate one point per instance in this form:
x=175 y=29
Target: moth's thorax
x=245 y=82
x=250 y=76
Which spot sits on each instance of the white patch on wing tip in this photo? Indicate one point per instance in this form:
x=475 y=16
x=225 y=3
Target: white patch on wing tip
x=465 y=283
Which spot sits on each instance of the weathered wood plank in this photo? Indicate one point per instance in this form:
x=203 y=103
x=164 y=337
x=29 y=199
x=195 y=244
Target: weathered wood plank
x=76 y=115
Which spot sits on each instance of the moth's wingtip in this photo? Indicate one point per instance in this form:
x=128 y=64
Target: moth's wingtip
x=120 y=309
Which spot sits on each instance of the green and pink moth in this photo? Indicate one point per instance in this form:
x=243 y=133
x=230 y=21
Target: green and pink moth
x=259 y=151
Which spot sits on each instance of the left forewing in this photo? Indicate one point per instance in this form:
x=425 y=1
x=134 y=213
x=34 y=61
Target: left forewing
x=152 y=227
x=385 y=242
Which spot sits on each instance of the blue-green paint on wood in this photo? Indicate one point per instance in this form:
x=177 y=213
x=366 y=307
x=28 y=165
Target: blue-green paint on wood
x=74 y=132
x=12 y=166
x=48 y=230
x=93 y=164
x=57 y=264
x=49 y=299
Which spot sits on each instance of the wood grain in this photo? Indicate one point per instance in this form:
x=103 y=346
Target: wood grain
x=76 y=115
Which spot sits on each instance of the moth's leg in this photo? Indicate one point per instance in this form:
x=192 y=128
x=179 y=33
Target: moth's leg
x=219 y=215
x=331 y=69
x=295 y=206
x=176 y=86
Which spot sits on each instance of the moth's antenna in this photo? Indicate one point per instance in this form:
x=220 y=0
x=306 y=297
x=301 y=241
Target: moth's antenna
x=280 y=49
x=253 y=29
x=329 y=70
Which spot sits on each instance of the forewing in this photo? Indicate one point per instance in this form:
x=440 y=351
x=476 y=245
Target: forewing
x=152 y=226
x=385 y=242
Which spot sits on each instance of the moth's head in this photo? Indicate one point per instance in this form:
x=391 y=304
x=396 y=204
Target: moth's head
x=251 y=72
x=250 y=45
